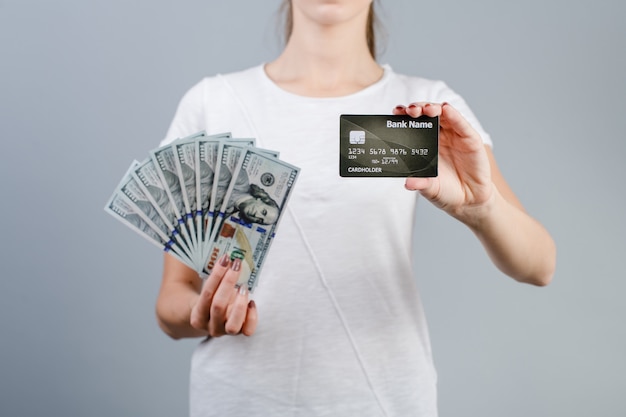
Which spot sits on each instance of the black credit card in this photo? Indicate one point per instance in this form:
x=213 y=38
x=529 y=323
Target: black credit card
x=388 y=146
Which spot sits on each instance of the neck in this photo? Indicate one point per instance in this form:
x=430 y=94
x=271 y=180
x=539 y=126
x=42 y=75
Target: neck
x=325 y=60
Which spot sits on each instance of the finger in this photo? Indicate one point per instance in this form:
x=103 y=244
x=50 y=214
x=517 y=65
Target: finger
x=237 y=311
x=252 y=317
x=418 y=184
x=431 y=109
x=399 y=110
x=429 y=188
x=452 y=119
x=222 y=298
x=414 y=109
x=200 y=312
x=421 y=108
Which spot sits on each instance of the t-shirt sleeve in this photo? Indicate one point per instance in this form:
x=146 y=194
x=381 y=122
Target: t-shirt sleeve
x=190 y=114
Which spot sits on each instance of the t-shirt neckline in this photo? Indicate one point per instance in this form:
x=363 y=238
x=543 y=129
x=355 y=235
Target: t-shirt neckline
x=275 y=89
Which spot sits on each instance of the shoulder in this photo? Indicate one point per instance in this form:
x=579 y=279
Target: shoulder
x=211 y=104
x=218 y=83
x=251 y=74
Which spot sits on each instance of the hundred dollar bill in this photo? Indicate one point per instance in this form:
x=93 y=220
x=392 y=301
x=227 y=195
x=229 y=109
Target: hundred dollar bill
x=206 y=161
x=150 y=183
x=131 y=189
x=185 y=162
x=122 y=208
x=253 y=205
x=164 y=160
x=206 y=158
x=189 y=198
x=228 y=155
x=231 y=157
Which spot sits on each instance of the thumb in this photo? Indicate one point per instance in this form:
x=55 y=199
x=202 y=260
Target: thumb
x=426 y=186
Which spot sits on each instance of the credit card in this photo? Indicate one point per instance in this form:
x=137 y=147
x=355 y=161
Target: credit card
x=388 y=146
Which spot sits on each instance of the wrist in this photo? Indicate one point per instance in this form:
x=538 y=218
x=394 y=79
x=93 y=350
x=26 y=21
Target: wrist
x=478 y=215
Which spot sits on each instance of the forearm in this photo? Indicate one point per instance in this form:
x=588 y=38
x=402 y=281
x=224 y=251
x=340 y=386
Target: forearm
x=179 y=292
x=471 y=188
x=516 y=243
x=173 y=310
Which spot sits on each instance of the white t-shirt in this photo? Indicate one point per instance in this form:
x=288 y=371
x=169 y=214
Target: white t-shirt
x=341 y=327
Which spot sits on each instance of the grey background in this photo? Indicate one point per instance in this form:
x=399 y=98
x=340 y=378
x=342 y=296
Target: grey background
x=87 y=86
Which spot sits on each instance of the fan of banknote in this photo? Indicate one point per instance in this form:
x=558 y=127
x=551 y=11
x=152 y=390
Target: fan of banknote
x=205 y=195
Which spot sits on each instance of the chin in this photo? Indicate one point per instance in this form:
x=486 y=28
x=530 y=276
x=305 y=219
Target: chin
x=331 y=12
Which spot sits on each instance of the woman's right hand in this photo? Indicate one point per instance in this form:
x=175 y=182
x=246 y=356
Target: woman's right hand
x=221 y=307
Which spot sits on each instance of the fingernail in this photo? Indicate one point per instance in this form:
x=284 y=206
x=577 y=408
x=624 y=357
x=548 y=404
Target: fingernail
x=251 y=304
x=243 y=289
x=224 y=260
x=412 y=106
x=236 y=266
x=399 y=107
x=427 y=105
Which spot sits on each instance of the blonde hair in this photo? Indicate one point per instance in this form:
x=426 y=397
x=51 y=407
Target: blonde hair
x=370 y=29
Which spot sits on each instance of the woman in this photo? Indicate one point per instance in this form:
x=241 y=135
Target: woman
x=342 y=331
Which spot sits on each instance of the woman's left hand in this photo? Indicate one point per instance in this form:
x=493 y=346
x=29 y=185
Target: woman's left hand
x=464 y=184
x=222 y=308
x=471 y=188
